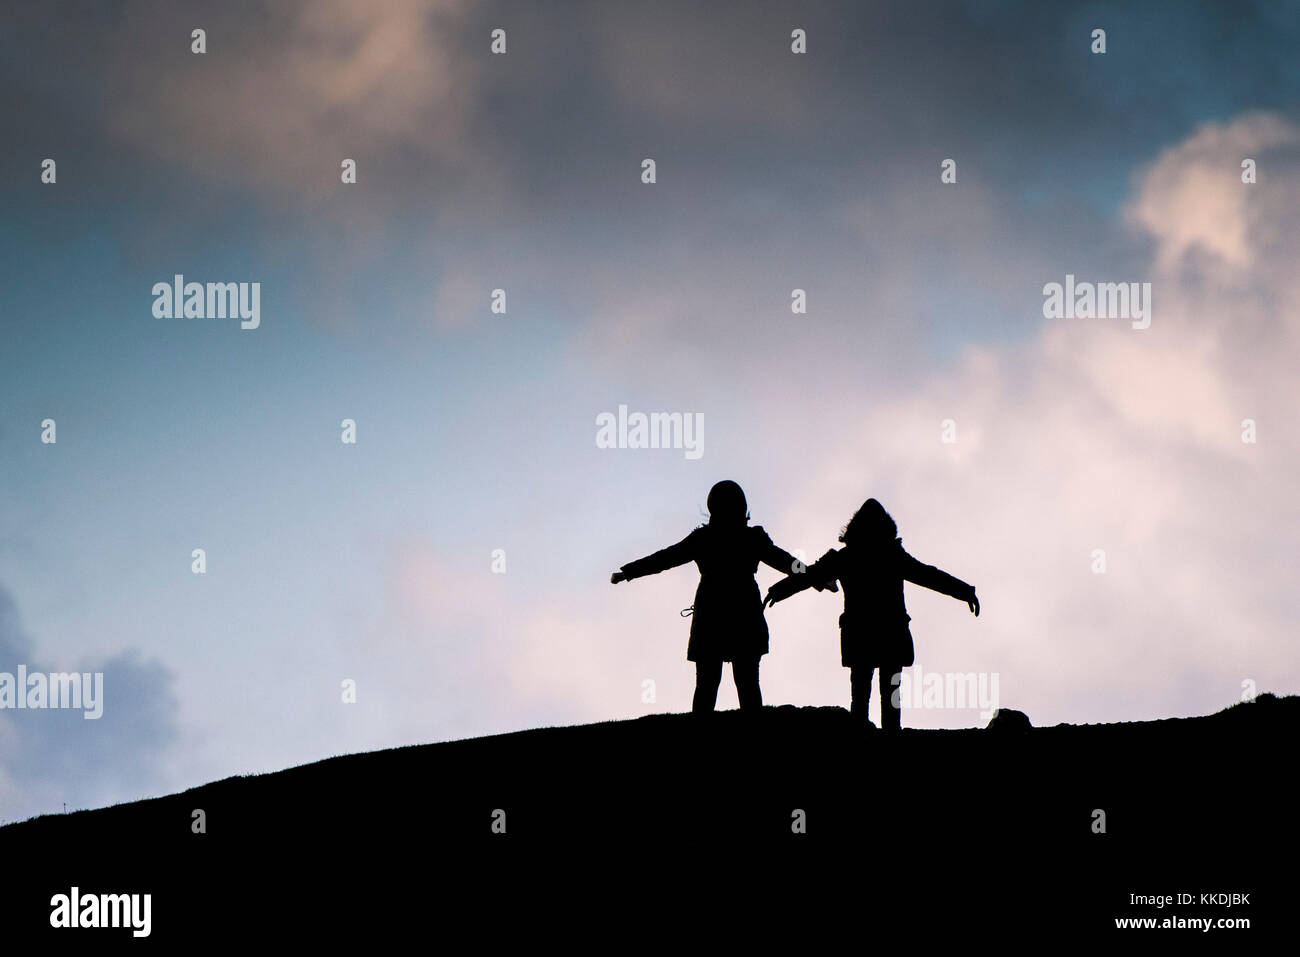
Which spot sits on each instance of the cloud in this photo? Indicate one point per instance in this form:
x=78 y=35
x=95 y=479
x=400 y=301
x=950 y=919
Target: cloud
x=1191 y=198
x=49 y=757
x=705 y=67
x=286 y=91
x=428 y=664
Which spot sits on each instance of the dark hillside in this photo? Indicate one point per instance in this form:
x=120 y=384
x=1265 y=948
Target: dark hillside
x=645 y=820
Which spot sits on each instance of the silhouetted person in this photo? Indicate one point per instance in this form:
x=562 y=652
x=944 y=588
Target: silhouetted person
x=874 y=633
x=727 y=622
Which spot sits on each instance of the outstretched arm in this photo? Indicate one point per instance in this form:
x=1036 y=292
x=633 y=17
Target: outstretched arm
x=930 y=577
x=662 y=560
x=820 y=574
x=778 y=558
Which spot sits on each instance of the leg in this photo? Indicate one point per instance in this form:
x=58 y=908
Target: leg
x=708 y=675
x=860 y=688
x=891 y=716
x=745 y=673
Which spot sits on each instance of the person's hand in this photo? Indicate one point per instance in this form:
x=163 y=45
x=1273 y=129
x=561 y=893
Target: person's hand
x=777 y=593
x=617 y=577
x=974 y=603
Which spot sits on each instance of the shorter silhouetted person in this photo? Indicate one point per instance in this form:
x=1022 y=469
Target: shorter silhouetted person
x=727 y=622
x=874 y=633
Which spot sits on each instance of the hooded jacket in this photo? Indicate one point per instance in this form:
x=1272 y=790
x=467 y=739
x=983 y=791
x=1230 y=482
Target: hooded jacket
x=874 y=628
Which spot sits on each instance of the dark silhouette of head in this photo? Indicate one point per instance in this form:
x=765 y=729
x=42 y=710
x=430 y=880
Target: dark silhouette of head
x=727 y=504
x=870 y=525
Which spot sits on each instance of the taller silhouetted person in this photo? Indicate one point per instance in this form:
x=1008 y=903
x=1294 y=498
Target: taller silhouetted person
x=874 y=632
x=727 y=622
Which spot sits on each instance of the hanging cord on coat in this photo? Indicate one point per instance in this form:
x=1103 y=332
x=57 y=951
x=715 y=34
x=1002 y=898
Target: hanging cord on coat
x=687 y=611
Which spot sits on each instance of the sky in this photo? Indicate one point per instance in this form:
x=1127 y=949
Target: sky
x=380 y=562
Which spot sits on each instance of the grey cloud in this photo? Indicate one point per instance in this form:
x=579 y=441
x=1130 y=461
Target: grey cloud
x=53 y=756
